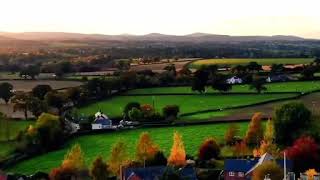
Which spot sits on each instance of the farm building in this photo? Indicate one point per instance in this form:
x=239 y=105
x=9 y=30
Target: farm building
x=234 y=80
x=241 y=169
x=101 y=122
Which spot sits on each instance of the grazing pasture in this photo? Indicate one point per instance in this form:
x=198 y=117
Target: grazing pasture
x=299 y=86
x=113 y=107
x=27 y=85
x=94 y=145
x=262 y=61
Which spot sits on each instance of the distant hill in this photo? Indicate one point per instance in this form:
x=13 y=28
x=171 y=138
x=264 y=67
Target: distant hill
x=195 y=37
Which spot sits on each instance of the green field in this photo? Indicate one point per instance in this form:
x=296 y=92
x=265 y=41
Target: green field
x=300 y=86
x=262 y=61
x=94 y=145
x=188 y=103
x=14 y=127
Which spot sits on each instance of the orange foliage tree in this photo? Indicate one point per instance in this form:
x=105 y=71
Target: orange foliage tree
x=146 y=149
x=73 y=165
x=178 y=154
x=269 y=131
x=230 y=134
x=118 y=157
x=240 y=149
x=254 y=133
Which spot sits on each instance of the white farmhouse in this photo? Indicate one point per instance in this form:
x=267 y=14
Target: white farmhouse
x=101 y=122
x=234 y=80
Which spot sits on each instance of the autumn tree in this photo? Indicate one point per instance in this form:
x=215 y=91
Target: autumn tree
x=146 y=149
x=209 y=149
x=311 y=173
x=231 y=133
x=305 y=154
x=240 y=149
x=118 y=157
x=269 y=131
x=99 y=170
x=271 y=169
x=266 y=147
x=255 y=131
x=72 y=167
x=178 y=154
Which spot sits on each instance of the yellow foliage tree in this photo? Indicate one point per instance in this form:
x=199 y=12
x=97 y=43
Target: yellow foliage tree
x=311 y=173
x=74 y=159
x=254 y=133
x=146 y=149
x=178 y=154
x=269 y=131
x=230 y=134
x=118 y=157
x=266 y=147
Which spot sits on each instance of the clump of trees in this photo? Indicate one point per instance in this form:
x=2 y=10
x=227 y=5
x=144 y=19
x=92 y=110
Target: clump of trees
x=291 y=117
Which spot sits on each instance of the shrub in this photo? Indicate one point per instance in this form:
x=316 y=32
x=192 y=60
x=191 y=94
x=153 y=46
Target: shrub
x=129 y=107
x=291 y=117
x=305 y=154
x=171 y=111
x=208 y=150
x=268 y=168
x=135 y=114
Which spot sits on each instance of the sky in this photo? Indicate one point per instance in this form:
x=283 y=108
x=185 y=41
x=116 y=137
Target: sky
x=178 y=17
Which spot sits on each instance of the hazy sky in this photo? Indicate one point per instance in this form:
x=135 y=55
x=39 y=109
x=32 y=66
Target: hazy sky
x=234 y=17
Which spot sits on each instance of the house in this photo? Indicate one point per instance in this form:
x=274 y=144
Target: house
x=234 y=80
x=101 y=122
x=155 y=172
x=241 y=169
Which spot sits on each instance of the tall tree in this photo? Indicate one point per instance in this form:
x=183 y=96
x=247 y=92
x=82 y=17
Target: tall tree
x=6 y=92
x=74 y=158
x=41 y=90
x=178 y=154
x=258 y=84
x=146 y=149
x=219 y=82
x=230 y=134
x=22 y=102
x=56 y=99
x=118 y=157
x=200 y=79
x=254 y=133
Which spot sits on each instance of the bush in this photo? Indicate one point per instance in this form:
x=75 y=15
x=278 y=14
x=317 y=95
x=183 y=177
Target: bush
x=208 y=150
x=268 y=168
x=129 y=107
x=135 y=114
x=171 y=111
x=291 y=117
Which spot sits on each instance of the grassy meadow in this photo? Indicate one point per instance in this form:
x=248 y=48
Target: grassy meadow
x=113 y=107
x=94 y=145
x=300 y=86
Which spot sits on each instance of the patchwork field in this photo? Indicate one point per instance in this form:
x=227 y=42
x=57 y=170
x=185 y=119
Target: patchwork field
x=300 y=86
x=188 y=103
x=94 y=145
x=262 y=61
x=27 y=85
